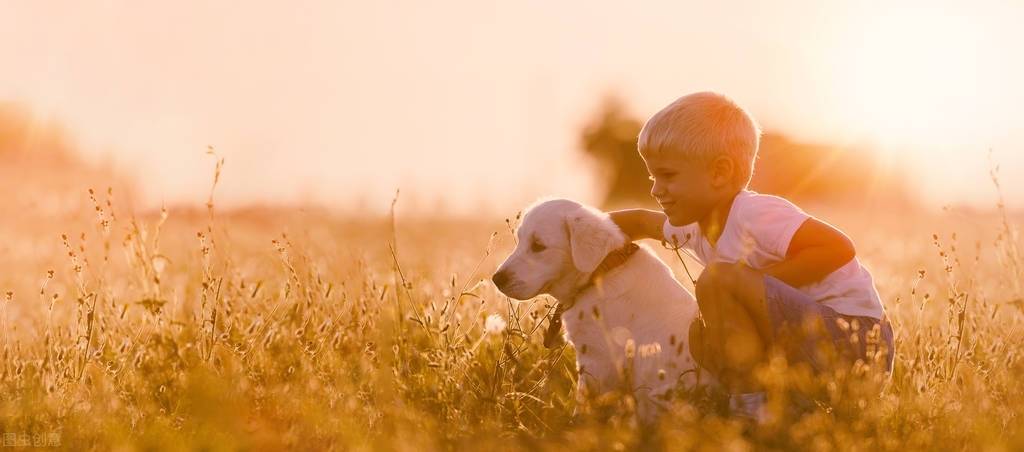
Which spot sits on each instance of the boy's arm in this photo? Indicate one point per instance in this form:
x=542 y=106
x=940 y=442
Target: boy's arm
x=816 y=250
x=640 y=223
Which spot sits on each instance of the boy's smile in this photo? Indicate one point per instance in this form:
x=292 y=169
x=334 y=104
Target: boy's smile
x=683 y=187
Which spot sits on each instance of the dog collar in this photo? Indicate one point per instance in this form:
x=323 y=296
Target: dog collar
x=552 y=338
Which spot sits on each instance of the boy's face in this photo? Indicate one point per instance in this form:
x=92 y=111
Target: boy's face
x=685 y=188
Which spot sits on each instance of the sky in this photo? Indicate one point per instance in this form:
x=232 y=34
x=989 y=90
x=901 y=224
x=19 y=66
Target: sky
x=472 y=105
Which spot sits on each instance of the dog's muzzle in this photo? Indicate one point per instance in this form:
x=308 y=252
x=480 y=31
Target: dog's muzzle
x=501 y=279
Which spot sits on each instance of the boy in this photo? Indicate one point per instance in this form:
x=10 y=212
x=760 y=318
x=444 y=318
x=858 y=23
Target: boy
x=774 y=275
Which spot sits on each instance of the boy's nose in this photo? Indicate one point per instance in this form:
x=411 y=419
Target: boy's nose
x=656 y=191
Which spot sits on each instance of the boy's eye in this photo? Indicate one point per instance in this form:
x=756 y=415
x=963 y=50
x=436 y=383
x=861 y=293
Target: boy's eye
x=536 y=246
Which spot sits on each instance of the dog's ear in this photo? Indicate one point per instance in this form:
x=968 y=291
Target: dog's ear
x=590 y=240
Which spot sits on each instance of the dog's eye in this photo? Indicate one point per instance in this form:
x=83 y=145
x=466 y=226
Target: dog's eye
x=536 y=246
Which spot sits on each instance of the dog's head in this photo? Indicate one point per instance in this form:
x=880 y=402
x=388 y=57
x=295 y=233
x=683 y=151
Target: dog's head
x=560 y=242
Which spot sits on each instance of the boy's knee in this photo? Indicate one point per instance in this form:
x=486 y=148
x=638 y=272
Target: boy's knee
x=718 y=285
x=729 y=283
x=708 y=288
x=719 y=277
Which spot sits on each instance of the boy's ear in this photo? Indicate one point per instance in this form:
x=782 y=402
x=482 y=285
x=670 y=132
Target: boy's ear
x=723 y=171
x=590 y=240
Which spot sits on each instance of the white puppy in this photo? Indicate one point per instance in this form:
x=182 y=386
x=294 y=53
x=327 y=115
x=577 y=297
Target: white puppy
x=629 y=324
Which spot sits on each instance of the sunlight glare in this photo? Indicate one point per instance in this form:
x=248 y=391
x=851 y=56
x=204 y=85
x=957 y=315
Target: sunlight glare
x=913 y=74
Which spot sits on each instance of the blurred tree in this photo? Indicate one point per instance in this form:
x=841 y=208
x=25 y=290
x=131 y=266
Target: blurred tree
x=798 y=171
x=610 y=139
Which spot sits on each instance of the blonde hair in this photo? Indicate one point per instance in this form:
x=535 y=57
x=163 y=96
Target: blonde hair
x=703 y=126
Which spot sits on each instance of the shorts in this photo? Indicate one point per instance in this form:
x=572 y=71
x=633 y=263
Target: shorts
x=795 y=317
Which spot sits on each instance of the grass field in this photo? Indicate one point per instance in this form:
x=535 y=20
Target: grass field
x=263 y=329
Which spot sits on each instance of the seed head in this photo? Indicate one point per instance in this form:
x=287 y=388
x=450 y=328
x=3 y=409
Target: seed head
x=494 y=324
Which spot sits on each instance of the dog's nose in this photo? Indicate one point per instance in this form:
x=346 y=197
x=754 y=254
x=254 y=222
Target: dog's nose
x=500 y=279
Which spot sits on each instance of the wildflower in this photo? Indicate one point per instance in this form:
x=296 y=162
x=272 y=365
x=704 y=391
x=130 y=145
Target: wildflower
x=494 y=324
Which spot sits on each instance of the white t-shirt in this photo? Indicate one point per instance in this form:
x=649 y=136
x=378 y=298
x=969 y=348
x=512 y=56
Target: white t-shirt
x=758 y=231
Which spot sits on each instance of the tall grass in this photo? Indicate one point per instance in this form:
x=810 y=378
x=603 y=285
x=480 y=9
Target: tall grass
x=226 y=331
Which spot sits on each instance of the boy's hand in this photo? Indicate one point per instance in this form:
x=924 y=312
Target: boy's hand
x=640 y=223
x=816 y=250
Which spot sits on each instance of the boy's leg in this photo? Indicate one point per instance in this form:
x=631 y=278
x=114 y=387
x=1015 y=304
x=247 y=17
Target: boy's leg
x=736 y=332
